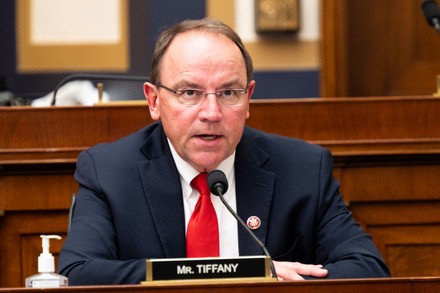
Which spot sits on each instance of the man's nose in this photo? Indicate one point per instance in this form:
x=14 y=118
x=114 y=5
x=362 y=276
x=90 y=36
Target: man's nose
x=210 y=107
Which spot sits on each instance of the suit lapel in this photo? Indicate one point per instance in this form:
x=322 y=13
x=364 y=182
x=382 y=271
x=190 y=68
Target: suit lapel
x=254 y=189
x=161 y=183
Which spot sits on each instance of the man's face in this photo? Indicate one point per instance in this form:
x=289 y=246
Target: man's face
x=207 y=133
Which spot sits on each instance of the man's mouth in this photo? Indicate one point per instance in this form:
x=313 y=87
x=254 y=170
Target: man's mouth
x=208 y=137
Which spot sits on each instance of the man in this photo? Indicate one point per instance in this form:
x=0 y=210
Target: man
x=135 y=197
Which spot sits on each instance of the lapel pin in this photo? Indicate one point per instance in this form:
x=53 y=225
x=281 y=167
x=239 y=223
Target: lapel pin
x=253 y=222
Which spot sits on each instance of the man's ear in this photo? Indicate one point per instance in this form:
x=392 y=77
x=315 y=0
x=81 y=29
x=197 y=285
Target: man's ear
x=251 y=89
x=151 y=95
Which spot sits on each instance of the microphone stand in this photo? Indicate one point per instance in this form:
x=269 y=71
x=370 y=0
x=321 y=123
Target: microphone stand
x=219 y=190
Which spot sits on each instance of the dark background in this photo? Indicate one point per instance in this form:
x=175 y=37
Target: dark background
x=146 y=20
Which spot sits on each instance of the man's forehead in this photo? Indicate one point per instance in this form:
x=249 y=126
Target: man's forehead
x=201 y=50
x=198 y=38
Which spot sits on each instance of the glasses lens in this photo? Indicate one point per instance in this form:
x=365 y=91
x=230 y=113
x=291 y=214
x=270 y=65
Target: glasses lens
x=190 y=96
x=231 y=97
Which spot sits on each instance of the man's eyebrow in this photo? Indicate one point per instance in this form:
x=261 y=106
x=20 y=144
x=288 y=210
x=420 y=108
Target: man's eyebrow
x=232 y=84
x=186 y=84
x=189 y=84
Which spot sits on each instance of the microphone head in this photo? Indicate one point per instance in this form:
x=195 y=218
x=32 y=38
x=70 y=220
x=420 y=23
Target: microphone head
x=217 y=182
x=431 y=11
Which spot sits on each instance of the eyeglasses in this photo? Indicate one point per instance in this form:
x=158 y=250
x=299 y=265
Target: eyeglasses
x=192 y=97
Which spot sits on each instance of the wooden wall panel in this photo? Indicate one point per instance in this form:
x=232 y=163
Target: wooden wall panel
x=409 y=249
x=20 y=243
x=397 y=202
x=373 y=182
x=408 y=258
x=43 y=190
x=377 y=48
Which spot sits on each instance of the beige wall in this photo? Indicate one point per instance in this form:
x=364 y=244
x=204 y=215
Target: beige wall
x=283 y=52
x=39 y=51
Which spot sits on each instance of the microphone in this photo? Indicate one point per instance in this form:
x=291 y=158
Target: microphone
x=432 y=13
x=218 y=185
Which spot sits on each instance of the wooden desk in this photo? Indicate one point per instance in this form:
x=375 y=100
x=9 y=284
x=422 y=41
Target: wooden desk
x=386 y=152
x=401 y=285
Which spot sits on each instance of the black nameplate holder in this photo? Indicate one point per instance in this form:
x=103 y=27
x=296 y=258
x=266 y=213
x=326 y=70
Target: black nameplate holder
x=180 y=269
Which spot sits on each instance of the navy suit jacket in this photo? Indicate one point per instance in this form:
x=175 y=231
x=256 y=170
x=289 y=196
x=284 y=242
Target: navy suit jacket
x=129 y=208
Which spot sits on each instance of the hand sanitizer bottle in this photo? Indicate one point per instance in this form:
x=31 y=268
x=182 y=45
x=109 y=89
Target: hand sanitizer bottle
x=46 y=277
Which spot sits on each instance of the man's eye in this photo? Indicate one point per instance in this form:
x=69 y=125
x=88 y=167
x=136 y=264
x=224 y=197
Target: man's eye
x=228 y=93
x=190 y=93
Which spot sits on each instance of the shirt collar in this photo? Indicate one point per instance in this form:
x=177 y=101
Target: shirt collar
x=187 y=172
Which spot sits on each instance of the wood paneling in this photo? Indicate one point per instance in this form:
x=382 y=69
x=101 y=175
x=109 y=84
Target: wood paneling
x=386 y=152
x=377 y=48
x=20 y=245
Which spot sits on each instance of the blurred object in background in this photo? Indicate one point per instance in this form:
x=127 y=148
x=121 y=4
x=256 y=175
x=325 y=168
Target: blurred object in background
x=6 y=96
x=78 y=92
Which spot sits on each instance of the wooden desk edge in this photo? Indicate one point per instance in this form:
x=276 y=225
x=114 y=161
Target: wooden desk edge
x=229 y=285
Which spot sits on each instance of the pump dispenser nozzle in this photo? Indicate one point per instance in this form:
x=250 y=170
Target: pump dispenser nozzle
x=46 y=261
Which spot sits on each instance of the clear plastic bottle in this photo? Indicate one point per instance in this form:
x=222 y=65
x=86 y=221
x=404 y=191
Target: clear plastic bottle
x=46 y=277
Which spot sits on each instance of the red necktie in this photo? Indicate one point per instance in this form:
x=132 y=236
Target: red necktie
x=202 y=238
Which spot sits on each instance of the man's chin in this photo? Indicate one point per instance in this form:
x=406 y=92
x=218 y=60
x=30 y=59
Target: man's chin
x=208 y=164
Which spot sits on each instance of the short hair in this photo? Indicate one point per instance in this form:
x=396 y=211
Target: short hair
x=206 y=25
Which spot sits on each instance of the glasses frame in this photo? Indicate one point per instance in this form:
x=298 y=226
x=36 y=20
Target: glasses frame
x=178 y=92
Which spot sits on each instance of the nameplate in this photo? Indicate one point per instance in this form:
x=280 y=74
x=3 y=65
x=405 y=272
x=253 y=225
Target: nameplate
x=208 y=268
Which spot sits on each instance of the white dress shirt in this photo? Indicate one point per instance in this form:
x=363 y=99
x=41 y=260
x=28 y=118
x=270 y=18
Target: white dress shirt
x=228 y=228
